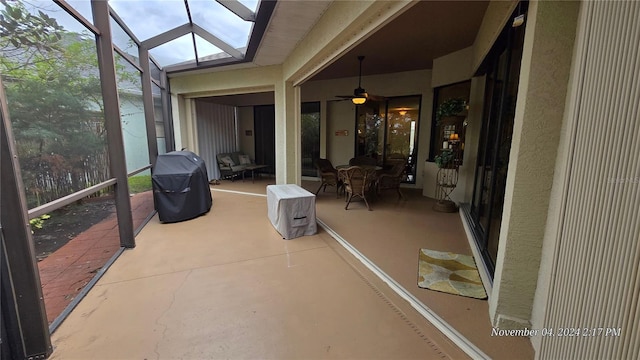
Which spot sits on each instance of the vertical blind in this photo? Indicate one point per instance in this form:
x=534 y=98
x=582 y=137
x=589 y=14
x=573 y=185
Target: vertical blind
x=217 y=133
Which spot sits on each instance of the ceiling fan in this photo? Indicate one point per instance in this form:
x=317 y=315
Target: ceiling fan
x=360 y=96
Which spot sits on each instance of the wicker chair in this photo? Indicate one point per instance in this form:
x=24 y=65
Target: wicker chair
x=363 y=160
x=329 y=176
x=357 y=183
x=392 y=178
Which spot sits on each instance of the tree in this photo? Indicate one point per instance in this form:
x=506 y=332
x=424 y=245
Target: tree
x=55 y=101
x=25 y=36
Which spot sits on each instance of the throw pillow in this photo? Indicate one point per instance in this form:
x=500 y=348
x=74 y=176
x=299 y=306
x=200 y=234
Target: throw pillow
x=227 y=161
x=244 y=159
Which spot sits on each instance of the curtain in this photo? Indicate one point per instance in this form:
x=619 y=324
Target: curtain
x=217 y=133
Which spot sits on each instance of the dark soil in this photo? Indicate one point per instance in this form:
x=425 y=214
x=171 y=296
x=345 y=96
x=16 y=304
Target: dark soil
x=69 y=221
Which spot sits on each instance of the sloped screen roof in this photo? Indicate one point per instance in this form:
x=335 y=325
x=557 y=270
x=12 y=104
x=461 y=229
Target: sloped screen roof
x=189 y=31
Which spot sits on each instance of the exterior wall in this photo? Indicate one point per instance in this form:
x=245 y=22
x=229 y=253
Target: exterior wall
x=340 y=116
x=178 y=113
x=452 y=68
x=239 y=81
x=548 y=49
x=288 y=134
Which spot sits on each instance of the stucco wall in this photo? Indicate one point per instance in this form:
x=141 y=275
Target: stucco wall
x=542 y=90
x=452 y=68
x=340 y=116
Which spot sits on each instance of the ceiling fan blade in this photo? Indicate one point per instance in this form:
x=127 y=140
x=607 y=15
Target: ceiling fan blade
x=344 y=96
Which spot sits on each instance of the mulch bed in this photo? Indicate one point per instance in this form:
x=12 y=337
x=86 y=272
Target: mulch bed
x=69 y=221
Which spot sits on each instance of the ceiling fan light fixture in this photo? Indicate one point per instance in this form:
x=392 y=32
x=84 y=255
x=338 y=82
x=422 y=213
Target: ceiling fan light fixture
x=359 y=100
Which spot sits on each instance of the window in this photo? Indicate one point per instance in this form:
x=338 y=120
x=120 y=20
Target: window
x=310 y=137
x=389 y=130
x=443 y=129
x=502 y=68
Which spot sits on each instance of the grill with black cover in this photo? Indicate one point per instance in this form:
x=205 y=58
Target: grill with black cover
x=180 y=186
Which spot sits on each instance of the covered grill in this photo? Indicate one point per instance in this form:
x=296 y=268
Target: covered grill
x=180 y=186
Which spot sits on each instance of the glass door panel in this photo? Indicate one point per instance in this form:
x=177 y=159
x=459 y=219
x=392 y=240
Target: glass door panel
x=403 y=115
x=502 y=67
x=388 y=130
x=503 y=145
x=310 y=138
x=370 y=130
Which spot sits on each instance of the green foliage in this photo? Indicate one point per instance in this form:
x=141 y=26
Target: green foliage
x=139 y=183
x=55 y=103
x=444 y=158
x=450 y=107
x=20 y=28
x=38 y=222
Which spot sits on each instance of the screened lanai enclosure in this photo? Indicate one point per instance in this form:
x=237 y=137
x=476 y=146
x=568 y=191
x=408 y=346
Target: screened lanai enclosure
x=85 y=113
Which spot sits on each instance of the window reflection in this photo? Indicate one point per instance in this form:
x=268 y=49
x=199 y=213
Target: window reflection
x=124 y=41
x=134 y=130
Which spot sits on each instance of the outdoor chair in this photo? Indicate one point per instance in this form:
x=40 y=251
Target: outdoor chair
x=357 y=183
x=329 y=176
x=392 y=178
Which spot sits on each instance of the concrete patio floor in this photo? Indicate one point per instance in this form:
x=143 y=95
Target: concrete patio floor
x=226 y=285
x=390 y=235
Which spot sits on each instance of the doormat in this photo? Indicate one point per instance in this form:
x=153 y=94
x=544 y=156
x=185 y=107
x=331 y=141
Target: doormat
x=450 y=273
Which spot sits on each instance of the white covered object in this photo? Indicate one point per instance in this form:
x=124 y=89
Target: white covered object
x=292 y=210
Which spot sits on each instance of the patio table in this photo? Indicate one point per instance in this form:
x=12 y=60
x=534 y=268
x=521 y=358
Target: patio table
x=253 y=169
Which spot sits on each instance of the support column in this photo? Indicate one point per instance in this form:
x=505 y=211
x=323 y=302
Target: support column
x=23 y=312
x=117 y=161
x=288 y=137
x=147 y=100
x=169 y=135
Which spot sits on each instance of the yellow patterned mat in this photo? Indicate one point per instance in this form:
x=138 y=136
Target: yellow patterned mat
x=450 y=273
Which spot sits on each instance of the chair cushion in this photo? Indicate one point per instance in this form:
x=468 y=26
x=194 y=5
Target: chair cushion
x=244 y=159
x=227 y=160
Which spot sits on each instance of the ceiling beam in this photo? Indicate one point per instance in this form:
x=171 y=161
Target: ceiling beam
x=123 y=25
x=217 y=42
x=166 y=36
x=239 y=9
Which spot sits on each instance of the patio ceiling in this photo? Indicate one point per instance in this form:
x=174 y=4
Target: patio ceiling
x=426 y=31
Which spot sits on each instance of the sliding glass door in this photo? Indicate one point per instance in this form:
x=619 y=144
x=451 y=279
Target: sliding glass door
x=389 y=130
x=310 y=137
x=501 y=91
